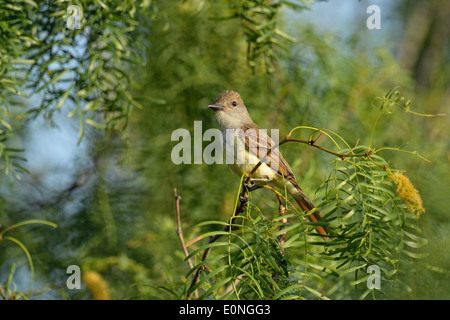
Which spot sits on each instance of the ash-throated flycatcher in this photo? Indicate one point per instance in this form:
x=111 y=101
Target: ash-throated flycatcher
x=252 y=144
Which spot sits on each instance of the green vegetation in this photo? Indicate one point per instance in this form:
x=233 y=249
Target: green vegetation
x=137 y=70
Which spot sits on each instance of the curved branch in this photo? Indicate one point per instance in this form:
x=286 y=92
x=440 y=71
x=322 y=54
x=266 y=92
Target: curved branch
x=311 y=143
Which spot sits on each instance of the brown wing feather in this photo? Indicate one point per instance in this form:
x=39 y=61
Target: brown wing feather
x=258 y=142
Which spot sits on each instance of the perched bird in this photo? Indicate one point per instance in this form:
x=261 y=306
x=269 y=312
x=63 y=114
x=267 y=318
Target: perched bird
x=253 y=145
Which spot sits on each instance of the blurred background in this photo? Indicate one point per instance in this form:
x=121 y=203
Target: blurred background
x=111 y=194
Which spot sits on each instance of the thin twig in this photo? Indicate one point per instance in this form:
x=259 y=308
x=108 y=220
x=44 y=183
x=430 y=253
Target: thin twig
x=311 y=143
x=243 y=200
x=179 y=231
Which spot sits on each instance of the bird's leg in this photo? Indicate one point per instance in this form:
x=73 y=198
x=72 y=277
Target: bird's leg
x=243 y=199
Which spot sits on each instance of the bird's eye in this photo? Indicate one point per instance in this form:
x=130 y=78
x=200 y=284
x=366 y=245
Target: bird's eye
x=234 y=103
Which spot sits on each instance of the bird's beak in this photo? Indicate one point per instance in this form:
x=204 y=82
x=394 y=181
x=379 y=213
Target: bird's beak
x=215 y=107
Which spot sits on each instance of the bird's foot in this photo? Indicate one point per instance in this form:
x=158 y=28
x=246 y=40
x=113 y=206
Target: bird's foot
x=252 y=186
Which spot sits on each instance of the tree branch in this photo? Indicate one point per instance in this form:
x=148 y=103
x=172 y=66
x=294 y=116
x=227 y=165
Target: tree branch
x=179 y=231
x=311 y=143
x=242 y=206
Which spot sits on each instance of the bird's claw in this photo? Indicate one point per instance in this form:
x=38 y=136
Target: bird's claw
x=243 y=199
x=251 y=186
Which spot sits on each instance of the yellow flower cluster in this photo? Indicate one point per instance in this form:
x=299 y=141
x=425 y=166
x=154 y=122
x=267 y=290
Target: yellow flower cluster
x=96 y=285
x=408 y=193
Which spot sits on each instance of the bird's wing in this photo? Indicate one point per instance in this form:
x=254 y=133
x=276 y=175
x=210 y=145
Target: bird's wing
x=258 y=142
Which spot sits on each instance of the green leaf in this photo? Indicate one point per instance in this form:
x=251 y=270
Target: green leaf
x=27 y=253
x=63 y=98
x=54 y=80
x=204 y=280
x=316 y=293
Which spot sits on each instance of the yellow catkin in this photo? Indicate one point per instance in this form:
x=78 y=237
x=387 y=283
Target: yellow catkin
x=408 y=193
x=96 y=285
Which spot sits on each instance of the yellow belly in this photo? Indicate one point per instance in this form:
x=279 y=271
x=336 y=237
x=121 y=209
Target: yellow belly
x=263 y=171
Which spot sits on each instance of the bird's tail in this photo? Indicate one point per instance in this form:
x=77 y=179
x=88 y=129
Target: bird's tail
x=306 y=205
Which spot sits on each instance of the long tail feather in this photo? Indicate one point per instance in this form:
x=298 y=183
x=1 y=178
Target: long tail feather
x=314 y=217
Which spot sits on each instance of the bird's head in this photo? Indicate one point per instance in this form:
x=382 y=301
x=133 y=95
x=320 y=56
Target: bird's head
x=230 y=110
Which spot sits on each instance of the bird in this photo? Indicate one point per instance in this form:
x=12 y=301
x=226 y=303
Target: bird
x=254 y=145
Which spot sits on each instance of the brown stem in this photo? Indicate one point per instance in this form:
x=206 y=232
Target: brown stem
x=282 y=210
x=179 y=231
x=243 y=199
x=311 y=143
